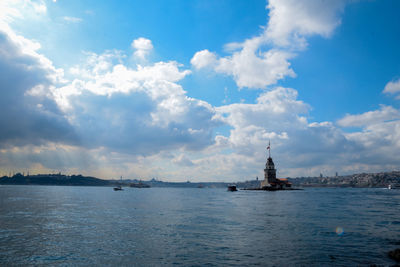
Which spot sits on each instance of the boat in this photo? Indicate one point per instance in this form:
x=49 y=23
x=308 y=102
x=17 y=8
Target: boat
x=394 y=186
x=232 y=188
x=118 y=187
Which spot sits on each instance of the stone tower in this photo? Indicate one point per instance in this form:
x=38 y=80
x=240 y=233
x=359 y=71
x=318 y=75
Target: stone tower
x=270 y=171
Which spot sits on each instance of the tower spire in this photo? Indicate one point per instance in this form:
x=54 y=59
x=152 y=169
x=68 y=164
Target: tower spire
x=269 y=148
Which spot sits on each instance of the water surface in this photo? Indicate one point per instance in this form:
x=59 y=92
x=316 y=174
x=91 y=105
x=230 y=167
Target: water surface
x=56 y=225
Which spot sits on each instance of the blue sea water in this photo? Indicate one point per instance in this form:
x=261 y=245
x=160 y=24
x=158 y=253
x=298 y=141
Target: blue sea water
x=72 y=226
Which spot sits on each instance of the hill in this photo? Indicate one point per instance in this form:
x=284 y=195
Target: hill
x=53 y=179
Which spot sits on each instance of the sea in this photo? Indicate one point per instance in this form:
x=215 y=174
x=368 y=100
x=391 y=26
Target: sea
x=96 y=226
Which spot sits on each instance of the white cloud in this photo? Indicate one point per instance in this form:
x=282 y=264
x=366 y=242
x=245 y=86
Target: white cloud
x=386 y=113
x=161 y=118
x=275 y=114
x=298 y=146
x=13 y=9
x=270 y=111
x=139 y=121
x=142 y=47
x=381 y=136
x=393 y=87
x=115 y=109
x=291 y=21
x=248 y=68
x=183 y=161
x=116 y=138
x=256 y=71
x=40 y=7
x=253 y=63
x=379 y=145
x=138 y=110
x=378 y=139
x=72 y=19
x=27 y=110
x=203 y=58
x=8 y=12
x=106 y=74
x=96 y=65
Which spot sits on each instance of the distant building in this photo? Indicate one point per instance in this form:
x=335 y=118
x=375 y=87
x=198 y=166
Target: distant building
x=270 y=180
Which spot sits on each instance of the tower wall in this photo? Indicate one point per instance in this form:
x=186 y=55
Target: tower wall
x=269 y=173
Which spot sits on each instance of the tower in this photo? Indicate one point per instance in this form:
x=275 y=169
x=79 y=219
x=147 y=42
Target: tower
x=269 y=171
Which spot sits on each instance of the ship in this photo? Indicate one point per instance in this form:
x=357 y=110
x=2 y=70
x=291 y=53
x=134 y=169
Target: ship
x=232 y=188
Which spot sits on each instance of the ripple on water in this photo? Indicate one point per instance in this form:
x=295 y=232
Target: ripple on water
x=95 y=226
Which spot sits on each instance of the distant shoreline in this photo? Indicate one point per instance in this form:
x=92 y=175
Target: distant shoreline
x=362 y=180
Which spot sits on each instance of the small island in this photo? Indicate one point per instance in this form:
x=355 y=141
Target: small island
x=270 y=182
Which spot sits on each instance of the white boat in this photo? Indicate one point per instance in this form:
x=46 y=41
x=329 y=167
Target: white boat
x=394 y=186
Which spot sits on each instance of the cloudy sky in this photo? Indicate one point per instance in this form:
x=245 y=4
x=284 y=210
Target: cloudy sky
x=194 y=90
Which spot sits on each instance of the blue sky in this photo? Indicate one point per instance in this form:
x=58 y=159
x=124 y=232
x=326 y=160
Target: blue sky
x=194 y=90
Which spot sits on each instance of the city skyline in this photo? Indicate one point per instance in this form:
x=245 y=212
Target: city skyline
x=195 y=90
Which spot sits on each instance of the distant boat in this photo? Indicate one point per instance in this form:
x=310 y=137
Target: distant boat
x=119 y=187
x=232 y=188
x=394 y=186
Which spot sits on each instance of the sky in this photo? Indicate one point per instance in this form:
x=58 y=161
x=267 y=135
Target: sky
x=195 y=90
